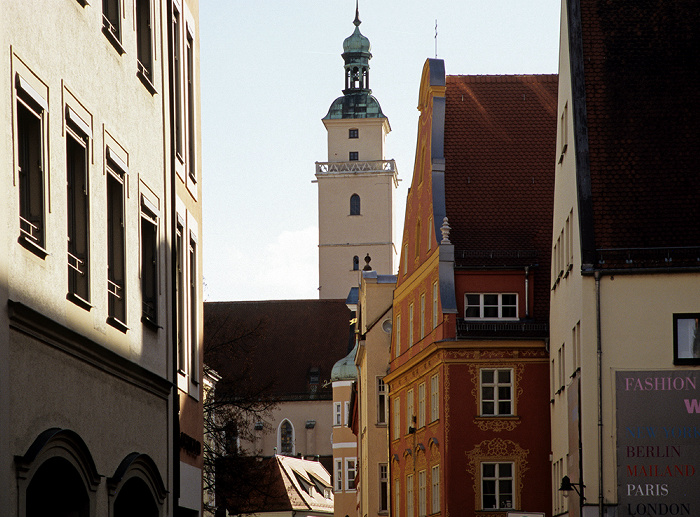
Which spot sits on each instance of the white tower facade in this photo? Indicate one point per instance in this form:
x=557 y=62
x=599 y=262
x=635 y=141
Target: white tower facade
x=356 y=184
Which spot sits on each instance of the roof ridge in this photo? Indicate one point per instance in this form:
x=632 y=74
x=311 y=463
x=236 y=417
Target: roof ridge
x=503 y=78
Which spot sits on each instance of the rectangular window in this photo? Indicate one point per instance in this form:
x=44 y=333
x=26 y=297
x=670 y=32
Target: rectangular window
x=192 y=167
x=354 y=156
x=410 y=325
x=397 y=497
x=410 y=415
x=405 y=259
x=422 y=503
x=116 y=252
x=563 y=131
x=496 y=392
x=144 y=52
x=30 y=160
x=422 y=315
x=435 y=304
x=562 y=367
x=111 y=23
x=435 y=489
x=337 y=413
x=353 y=133
x=397 y=334
x=149 y=262
x=430 y=233
x=176 y=66
x=350 y=469
x=338 y=475
x=496 y=486
x=180 y=297
x=382 y=414
x=421 y=405
x=491 y=306
x=686 y=338
x=397 y=417
x=434 y=398
x=78 y=218
x=409 y=495
x=383 y=487
x=347 y=414
x=194 y=306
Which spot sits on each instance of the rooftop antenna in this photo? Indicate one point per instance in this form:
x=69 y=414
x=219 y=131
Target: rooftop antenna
x=436 y=33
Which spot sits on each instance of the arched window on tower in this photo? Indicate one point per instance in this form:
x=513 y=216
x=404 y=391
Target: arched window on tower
x=354 y=204
x=355 y=263
x=286 y=438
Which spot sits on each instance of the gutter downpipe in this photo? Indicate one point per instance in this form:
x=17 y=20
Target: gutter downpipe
x=527 y=291
x=599 y=349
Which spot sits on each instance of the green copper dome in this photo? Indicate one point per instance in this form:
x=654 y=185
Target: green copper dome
x=356 y=42
x=345 y=369
x=355 y=105
x=357 y=100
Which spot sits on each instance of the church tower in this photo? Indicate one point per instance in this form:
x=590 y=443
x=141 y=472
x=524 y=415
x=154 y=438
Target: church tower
x=356 y=185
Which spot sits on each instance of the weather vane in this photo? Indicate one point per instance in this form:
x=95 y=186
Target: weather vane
x=436 y=38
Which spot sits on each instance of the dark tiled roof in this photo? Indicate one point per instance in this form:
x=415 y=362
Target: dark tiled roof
x=641 y=72
x=500 y=134
x=278 y=343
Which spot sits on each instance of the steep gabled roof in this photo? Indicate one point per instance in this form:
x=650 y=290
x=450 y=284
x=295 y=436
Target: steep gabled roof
x=499 y=160
x=637 y=64
x=278 y=344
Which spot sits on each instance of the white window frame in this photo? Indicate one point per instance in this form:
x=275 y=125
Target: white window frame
x=279 y=438
x=435 y=489
x=338 y=477
x=422 y=315
x=350 y=467
x=434 y=397
x=396 y=404
x=496 y=385
x=397 y=497
x=347 y=414
x=383 y=501
x=496 y=479
x=337 y=414
x=421 y=405
x=409 y=409
x=410 y=325
x=409 y=495
x=422 y=493
x=435 y=304
x=382 y=402
x=482 y=306
x=397 y=340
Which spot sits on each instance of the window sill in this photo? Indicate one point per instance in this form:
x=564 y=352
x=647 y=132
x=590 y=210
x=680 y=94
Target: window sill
x=381 y=424
x=142 y=74
x=486 y=418
x=150 y=324
x=113 y=39
x=80 y=302
x=119 y=325
x=32 y=246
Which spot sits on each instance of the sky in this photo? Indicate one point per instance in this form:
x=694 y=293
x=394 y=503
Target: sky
x=270 y=70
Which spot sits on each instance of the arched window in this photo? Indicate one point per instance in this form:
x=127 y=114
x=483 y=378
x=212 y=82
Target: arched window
x=355 y=263
x=286 y=438
x=135 y=498
x=57 y=489
x=354 y=204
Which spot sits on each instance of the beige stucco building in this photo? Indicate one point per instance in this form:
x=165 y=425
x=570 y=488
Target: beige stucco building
x=625 y=275
x=356 y=184
x=372 y=361
x=88 y=415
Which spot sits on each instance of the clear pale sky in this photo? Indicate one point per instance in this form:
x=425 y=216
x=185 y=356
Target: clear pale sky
x=269 y=72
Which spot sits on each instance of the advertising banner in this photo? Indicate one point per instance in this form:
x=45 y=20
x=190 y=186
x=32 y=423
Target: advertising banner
x=658 y=442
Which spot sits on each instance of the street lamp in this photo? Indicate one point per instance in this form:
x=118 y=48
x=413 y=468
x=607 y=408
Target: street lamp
x=567 y=486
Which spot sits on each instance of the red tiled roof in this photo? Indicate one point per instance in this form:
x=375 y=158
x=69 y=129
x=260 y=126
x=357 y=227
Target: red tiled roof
x=500 y=134
x=643 y=111
x=278 y=343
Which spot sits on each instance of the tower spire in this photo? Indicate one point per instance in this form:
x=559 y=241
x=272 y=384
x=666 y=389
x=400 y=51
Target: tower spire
x=357 y=21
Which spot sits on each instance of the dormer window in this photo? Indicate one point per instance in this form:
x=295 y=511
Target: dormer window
x=490 y=306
